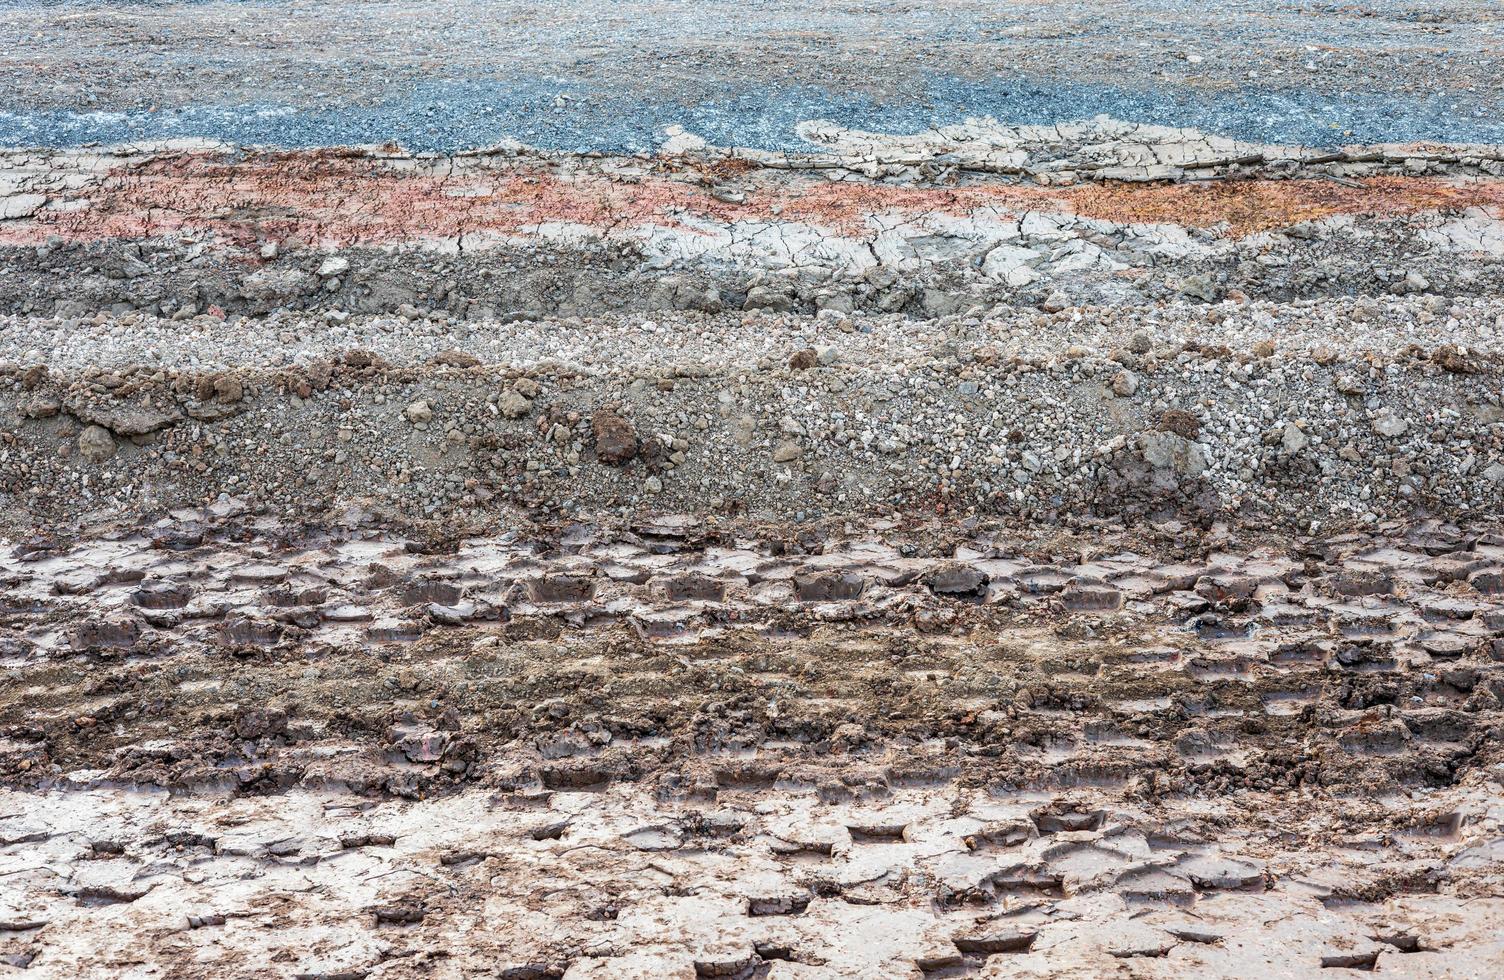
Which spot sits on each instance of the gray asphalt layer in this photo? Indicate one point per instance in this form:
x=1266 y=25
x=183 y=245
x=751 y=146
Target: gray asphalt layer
x=614 y=77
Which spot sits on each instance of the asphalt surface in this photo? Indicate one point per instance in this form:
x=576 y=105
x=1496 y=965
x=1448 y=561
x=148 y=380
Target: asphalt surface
x=614 y=77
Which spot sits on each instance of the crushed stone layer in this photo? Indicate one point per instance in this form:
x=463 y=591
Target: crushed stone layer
x=1250 y=414
x=623 y=75
x=235 y=748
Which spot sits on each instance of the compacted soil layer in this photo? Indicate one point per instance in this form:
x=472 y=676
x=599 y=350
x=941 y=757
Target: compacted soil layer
x=1064 y=550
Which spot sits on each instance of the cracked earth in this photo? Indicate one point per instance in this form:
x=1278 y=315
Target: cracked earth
x=575 y=513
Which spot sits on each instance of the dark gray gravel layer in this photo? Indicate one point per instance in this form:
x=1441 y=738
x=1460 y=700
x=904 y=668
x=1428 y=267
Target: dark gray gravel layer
x=611 y=77
x=448 y=116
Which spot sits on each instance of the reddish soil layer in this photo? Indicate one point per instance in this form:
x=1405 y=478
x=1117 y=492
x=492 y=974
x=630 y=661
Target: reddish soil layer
x=344 y=199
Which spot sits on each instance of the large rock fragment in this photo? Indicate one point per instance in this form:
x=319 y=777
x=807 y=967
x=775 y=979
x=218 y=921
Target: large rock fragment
x=96 y=444
x=1172 y=451
x=615 y=439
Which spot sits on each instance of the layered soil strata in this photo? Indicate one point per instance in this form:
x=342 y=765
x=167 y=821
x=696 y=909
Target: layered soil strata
x=971 y=218
x=999 y=551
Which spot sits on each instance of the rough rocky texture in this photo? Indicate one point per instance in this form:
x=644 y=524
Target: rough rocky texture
x=689 y=751
x=970 y=217
x=618 y=76
x=1257 y=414
x=862 y=513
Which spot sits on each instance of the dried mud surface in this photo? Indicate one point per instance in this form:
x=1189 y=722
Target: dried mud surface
x=670 y=751
x=970 y=218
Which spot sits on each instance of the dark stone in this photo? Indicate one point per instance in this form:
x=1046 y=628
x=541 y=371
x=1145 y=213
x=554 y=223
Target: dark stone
x=615 y=439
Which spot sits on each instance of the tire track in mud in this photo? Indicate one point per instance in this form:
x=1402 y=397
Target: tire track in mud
x=1385 y=646
x=741 y=755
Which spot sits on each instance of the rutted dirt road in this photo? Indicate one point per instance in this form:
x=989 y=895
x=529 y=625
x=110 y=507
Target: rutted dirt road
x=671 y=750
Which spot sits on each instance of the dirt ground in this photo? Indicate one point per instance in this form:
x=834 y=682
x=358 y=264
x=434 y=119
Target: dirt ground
x=906 y=490
x=665 y=751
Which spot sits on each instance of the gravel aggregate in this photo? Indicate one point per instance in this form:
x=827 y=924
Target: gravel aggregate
x=758 y=490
